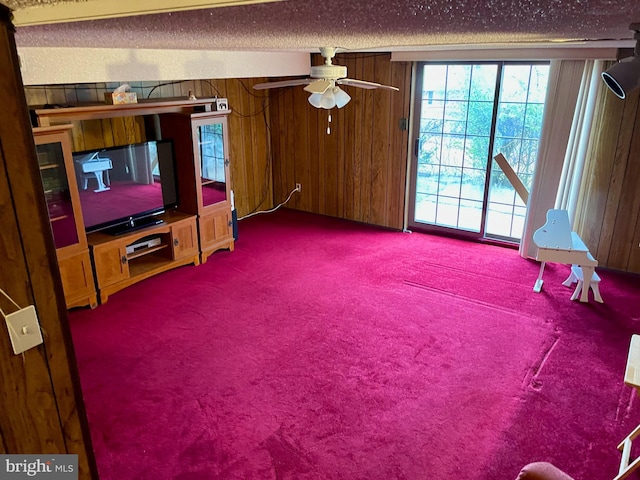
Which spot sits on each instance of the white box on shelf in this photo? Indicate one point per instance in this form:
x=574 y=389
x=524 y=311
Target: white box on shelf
x=221 y=104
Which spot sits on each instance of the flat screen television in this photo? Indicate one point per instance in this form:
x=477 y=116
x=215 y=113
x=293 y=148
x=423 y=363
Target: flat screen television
x=125 y=188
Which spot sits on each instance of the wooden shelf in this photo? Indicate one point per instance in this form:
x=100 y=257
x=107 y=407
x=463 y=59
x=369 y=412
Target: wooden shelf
x=147 y=264
x=145 y=251
x=49 y=166
x=47 y=116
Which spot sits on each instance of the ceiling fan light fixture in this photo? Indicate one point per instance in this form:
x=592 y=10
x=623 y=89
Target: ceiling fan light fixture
x=315 y=99
x=328 y=100
x=624 y=77
x=341 y=97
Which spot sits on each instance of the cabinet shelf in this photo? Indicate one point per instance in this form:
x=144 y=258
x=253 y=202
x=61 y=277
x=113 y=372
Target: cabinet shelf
x=49 y=166
x=147 y=263
x=146 y=251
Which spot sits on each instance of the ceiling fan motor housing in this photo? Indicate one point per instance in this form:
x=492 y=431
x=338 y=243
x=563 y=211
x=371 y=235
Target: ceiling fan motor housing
x=329 y=71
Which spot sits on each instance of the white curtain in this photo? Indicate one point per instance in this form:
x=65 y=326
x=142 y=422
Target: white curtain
x=565 y=85
x=579 y=139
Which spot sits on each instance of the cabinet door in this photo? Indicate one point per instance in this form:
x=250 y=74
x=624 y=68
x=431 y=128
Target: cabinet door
x=212 y=157
x=77 y=279
x=111 y=264
x=185 y=240
x=57 y=192
x=215 y=228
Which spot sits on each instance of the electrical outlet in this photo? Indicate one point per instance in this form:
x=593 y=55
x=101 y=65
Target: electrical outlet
x=298 y=187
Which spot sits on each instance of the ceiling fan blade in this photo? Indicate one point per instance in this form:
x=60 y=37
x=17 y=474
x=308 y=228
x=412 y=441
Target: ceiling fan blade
x=319 y=86
x=283 y=83
x=362 y=84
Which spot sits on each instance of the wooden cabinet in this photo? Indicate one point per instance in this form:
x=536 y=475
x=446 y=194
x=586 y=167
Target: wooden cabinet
x=202 y=152
x=123 y=260
x=53 y=147
x=185 y=240
x=201 y=224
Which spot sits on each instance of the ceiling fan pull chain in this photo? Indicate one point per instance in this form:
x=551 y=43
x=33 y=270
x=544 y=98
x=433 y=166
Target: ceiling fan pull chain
x=329 y=124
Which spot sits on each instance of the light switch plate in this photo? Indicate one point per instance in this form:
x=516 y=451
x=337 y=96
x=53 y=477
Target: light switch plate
x=24 y=329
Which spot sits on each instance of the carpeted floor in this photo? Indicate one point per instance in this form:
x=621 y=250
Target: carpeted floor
x=325 y=349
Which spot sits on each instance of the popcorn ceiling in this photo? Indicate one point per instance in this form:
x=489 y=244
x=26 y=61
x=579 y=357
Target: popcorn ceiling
x=357 y=24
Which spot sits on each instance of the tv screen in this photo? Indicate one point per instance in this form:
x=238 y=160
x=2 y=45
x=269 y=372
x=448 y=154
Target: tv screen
x=122 y=188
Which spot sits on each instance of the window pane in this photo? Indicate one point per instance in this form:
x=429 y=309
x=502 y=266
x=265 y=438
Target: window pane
x=450 y=178
x=434 y=81
x=476 y=152
x=429 y=151
x=425 y=208
x=538 y=83
x=458 y=79
x=499 y=219
x=510 y=121
x=470 y=216
x=479 y=119
x=483 y=82
x=455 y=117
x=447 y=211
x=472 y=184
x=515 y=83
x=427 y=181
x=452 y=150
x=533 y=120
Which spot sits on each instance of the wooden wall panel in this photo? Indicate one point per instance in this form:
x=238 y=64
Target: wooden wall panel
x=357 y=171
x=608 y=215
x=40 y=400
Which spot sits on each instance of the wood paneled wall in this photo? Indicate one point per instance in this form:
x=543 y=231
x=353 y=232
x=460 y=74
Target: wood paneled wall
x=358 y=171
x=248 y=129
x=41 y=405
x=608 y=217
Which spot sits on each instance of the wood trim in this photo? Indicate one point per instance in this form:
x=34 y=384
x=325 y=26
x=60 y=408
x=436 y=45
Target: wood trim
x=99 y=9
x=47 y=116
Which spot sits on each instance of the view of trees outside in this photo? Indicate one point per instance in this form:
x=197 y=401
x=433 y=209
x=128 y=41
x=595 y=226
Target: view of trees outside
x=455 y=134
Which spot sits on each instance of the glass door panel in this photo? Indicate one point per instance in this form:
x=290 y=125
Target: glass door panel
x=212 y=163
x=454 y=139
x=517 y=134
x=57 y=195
x=469 y=112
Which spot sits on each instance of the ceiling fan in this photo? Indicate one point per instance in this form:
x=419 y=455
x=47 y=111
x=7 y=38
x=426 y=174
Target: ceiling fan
x=324 y=81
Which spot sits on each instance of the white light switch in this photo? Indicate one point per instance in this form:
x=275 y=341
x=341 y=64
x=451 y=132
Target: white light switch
x=24 y=329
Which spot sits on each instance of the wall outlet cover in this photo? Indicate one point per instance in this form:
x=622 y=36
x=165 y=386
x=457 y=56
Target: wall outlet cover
x=24 y=329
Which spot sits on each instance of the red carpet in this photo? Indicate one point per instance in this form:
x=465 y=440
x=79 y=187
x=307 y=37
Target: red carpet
x=324 y=349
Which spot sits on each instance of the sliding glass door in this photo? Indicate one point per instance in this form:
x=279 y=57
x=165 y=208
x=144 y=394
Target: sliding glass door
x=468 y=113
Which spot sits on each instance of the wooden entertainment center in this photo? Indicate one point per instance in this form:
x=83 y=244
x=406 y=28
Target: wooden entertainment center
x=98 y=264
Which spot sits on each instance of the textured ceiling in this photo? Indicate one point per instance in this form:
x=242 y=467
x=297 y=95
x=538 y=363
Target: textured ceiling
x=354 y=25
